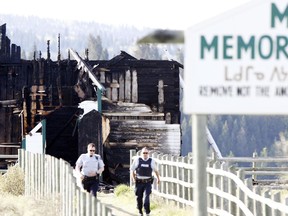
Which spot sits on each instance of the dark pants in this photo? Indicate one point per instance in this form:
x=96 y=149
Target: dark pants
x=91 y=184
x=143 y=190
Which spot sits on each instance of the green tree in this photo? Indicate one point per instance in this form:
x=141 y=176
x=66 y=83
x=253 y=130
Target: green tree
x=147 y=51
x=95 y=48
x=33 y=52
x=23 y=54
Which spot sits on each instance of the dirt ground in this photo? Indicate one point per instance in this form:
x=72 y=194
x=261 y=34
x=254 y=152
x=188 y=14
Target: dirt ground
x=125 y=205
x=119 y=208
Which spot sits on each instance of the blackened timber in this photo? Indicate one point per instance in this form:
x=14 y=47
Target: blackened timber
x=134 y=88
x=90 y=130
x=127 y=86
x=9 y=156
x=8 y=103
x=62 y=140
x=82 y=64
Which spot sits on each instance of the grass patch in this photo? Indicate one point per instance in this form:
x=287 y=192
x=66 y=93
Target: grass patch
x=122 y=189
x=160 y=207
x=11 y=205
x=14 y=203
x=12 y=182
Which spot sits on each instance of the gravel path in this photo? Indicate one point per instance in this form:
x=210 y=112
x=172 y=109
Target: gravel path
x=125 y=205
x=118 y=208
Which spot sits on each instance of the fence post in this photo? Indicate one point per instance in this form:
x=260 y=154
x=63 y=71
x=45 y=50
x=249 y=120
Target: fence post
x=247 y=200
x=77 y=202
x=216 y=184
x=224 y=188
x=277 y=198
x=161 y=171
x=27 y=174
x=266 y=209
x=132 y=154
x=210 y=201
x=184 y=178
x=232 y=190
x=21 y=158
x=166 y=175
x=254 y=166
x=240 y=194
x=158 y=158
x=174 y=174
x=256 y=204
x=179 y=178
x=190 y=180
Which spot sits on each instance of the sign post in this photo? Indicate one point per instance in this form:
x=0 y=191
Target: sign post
x=200 y=164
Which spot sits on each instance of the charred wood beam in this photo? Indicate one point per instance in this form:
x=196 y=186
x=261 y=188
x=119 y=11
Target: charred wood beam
x=9 y=146
x=82 y=64
x=87 y=68
x=7 y=103
x=10 y=143
x=8 y=156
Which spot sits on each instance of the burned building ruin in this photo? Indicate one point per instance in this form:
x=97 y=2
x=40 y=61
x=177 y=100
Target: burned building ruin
x=139 y=107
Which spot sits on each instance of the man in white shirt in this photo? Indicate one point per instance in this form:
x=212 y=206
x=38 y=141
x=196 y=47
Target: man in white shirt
x=89 y=166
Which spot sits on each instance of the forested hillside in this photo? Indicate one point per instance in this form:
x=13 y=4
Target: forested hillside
x=32 y=34
x=240 y=135
x=246 y=134
x=234 y=135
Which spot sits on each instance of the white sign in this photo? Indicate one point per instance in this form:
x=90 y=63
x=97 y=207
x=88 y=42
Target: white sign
x=237 y=63
x=34 y=143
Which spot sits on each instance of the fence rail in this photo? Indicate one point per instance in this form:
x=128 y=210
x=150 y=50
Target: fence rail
x=49 y=177
x=229 y=192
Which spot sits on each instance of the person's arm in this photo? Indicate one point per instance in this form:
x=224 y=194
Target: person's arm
x=133 y=170
x=154 y=167
x=133 y=175
x=101 y=166
x=99 y=171
x=157 y=175
x=78 y=167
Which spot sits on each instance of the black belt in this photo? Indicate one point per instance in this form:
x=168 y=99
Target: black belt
x=150 y=180
x=91 y=177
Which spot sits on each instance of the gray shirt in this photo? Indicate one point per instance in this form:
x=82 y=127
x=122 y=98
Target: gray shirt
x=90 y=165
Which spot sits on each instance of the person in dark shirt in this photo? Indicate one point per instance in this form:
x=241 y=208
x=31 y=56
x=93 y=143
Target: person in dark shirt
x=141 y=174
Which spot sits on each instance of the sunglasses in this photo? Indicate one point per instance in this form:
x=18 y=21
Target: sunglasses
x=145 y=152
x=92 y=150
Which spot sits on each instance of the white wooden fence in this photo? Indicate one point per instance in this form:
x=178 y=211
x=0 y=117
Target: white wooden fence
x=49 y=177
x=270 y=172
x=228 y=192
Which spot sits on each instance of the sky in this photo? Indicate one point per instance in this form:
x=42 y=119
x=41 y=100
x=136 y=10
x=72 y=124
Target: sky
x=161 y=14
